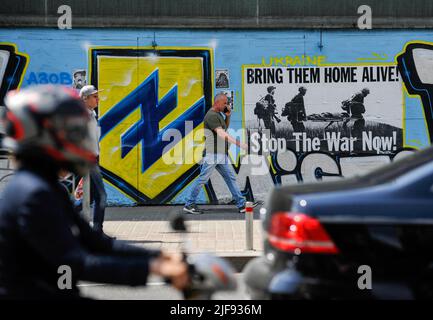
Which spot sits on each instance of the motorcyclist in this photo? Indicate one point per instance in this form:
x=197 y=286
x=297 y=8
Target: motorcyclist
x=47 y=130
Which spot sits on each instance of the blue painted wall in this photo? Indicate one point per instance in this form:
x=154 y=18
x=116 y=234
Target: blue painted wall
x=54 y=54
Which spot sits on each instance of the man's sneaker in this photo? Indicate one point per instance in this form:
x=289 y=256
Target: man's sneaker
x=192 y=209
x=255 y=204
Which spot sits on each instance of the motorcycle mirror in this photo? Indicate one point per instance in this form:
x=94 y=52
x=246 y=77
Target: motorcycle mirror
x=177 y=222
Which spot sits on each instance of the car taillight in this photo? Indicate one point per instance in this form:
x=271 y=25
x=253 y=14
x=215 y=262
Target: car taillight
x=299 y=233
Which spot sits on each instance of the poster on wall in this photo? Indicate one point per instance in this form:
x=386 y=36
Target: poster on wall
x=334 y=109
x=79 y=77
x=222 y=80
x=13 y=65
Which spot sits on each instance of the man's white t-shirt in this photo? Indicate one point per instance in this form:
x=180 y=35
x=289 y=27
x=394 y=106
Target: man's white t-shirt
x=95 y=132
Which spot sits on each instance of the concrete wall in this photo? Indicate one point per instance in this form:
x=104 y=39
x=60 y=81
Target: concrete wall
x=187 y=67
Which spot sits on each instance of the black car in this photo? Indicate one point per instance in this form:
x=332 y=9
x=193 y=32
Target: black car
x=368 y=237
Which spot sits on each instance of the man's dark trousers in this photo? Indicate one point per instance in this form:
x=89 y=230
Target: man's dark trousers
x=99 y=196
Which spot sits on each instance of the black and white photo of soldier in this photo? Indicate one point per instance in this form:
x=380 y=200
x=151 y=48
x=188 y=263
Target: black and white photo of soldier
x=222 y=79
x=355 y=108
x=344 y=117
x=266 y=110
x=295 y=111
x=79 y=77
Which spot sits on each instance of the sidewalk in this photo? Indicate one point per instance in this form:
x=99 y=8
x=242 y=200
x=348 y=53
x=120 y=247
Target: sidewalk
x=220 y=230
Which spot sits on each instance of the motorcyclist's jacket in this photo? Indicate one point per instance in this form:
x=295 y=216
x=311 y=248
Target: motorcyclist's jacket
x=40 y=232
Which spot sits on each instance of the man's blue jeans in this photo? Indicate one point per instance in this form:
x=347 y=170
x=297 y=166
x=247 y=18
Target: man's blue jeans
x=220 y=162
x=98 y=196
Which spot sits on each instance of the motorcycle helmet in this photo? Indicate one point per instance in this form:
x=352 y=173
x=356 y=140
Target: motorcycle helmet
x=51 y=121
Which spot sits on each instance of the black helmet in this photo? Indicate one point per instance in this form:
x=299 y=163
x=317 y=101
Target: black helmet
x=49 y=120
x=302 y=89
x=365 y=91
x=271 y=88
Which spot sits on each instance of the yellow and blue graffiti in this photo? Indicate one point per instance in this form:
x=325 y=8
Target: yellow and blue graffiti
x=13 y=65
x=145 y=93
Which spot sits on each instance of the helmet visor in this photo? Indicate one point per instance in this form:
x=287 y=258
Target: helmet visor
x=74 y=133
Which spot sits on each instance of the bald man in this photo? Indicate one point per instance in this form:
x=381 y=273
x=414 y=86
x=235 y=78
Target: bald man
x=216 y=148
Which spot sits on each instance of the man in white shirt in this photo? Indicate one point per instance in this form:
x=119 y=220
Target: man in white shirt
x=89 y=94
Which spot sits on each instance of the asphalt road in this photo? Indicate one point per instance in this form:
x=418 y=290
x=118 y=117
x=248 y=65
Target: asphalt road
x=155 y=290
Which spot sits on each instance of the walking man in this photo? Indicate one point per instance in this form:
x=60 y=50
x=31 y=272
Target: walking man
x=216 y=147
x=89 y=94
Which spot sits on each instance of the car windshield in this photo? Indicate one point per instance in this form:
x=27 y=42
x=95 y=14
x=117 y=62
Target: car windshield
x=397 y=168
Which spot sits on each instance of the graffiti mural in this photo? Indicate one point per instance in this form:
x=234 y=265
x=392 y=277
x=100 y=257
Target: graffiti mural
x=314 y=122
x=13 y=65
x=309 y=113
x=145 y=93
x=12 y=68
x=416 y=65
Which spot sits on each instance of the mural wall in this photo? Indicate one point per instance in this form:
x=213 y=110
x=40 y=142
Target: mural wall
x=312 y=106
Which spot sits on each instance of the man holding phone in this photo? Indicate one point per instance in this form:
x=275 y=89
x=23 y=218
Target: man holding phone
x=216 y=148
